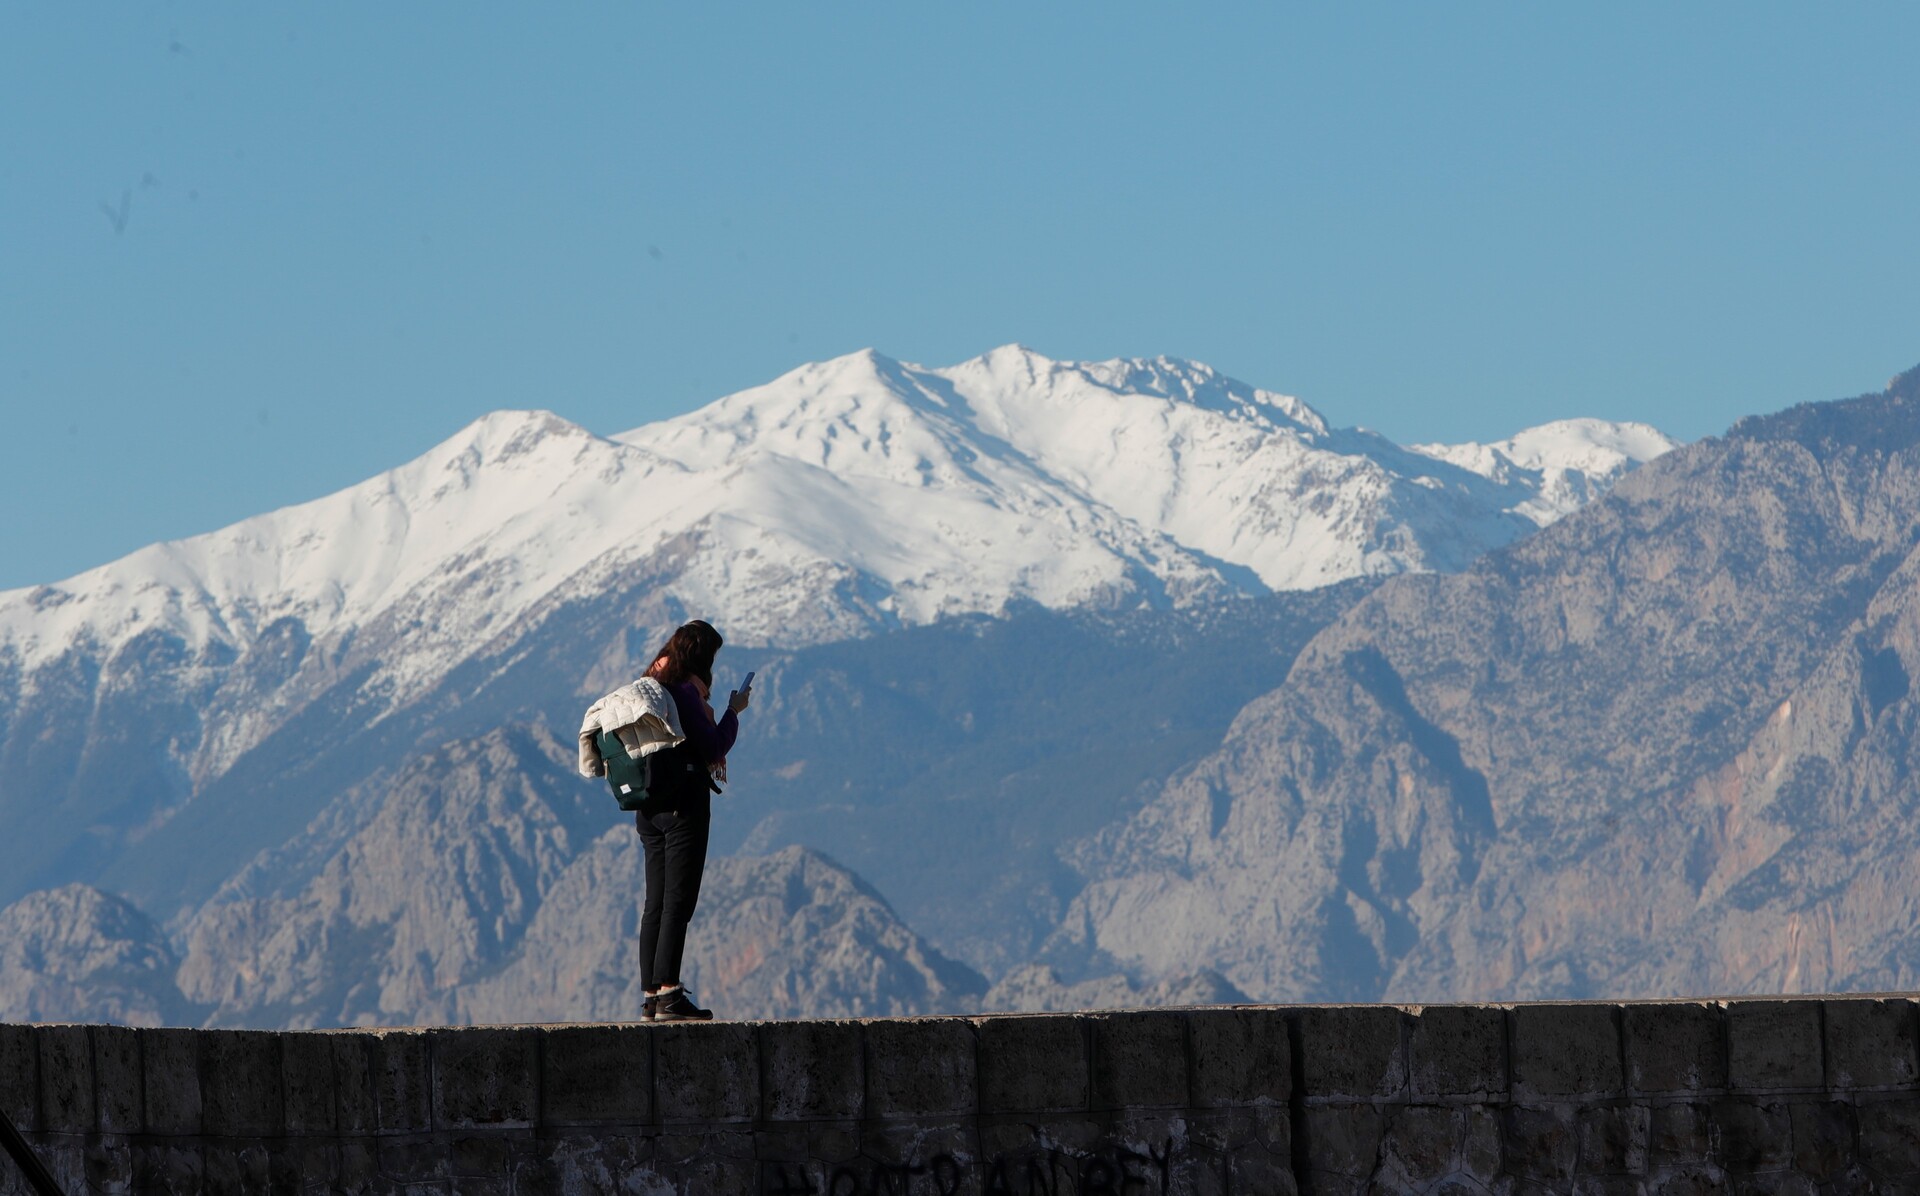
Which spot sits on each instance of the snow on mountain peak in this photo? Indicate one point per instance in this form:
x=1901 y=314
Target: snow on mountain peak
x=846 y=493
x=1566 y=463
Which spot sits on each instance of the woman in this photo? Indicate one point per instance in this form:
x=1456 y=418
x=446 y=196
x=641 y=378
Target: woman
x=673 y=824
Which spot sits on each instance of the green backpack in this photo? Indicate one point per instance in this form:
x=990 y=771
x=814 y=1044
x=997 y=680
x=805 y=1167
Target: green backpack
x=665 y=773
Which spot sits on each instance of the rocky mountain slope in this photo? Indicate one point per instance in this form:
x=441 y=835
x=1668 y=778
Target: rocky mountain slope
x=483 y=876
x=196 y=701
x=473 y=886
x=1666 y=746
x=77 y=954
x=994 y=606
x=784 y=935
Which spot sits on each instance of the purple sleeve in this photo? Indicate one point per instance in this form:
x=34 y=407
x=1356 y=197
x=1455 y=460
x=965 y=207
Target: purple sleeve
x=711 y=743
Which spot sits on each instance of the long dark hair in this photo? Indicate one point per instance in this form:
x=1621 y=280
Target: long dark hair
x=688 y=652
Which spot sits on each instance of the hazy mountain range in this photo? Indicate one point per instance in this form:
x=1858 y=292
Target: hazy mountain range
x=1002 y=609
x=1666 y=746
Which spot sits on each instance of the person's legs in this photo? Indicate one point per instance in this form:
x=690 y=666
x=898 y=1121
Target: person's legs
x=686 y=861
x=653 y=841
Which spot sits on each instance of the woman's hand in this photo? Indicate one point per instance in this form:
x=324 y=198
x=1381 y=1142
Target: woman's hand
x=737 y=701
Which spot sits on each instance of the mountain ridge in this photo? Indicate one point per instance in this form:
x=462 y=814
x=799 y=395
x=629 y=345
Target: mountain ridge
x=843 y=498
x=171 y=725
x=1662 y=748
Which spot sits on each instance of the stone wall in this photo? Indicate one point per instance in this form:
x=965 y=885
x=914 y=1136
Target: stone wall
x=1790 y=1095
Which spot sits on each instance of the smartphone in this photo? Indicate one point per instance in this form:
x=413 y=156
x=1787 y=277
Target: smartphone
x=748 y=683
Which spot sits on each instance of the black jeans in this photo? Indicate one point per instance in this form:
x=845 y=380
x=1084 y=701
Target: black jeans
x=675 y=839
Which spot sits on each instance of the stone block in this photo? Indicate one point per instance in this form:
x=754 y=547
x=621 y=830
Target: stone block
x=1459 y=1050
x=415 y=1159
x=1256 y=1169
x=1018 y=1136
x=20 y=1077
x=1033 y=1064
x=1870 y=1042
x=1679 y=1136
x=116 y=1079
x=1676 y=1046
x=1353 y=1052
x=1418 y=1145
x=915 y=1145
x=307 y=1083
x=1823 y=1136
x=170 y=1081
x=66 y=1080
x=706 y=1071
x=1238 y=1057
x=921 y=1068
x=597 y=1075
x=1566 y=1050
x=715 y=1176
x=832 y=1141
x=1139 y=1060
x=1343 y=1140
x=480 y=1155
x=1319 y=1183
x=1149 y=1142
x=484 y=1076
x=1750 y=1136
x=1114 y=1168
x=1612 y=1139
x=359 y=1164
x=313 y=1164
x=285 y=1164
x=1480 y=1150
x=400 y=1070
x=1220 y=1130
x=356 y=1109
x=1702 y=1180
x=168 y=1168
x=238 y=1166
x=1774 y=1045
x=65 y=1158
x=109 y=1164
x=812 y=1070
x=1890 y=1140
x=240 y=1084
x=1540 y=1144
x=586 y=1163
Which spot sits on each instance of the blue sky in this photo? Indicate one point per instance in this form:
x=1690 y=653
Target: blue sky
x=250 y=254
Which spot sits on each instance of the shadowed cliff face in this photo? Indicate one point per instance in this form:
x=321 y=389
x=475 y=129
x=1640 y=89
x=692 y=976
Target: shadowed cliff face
x=1666 y=746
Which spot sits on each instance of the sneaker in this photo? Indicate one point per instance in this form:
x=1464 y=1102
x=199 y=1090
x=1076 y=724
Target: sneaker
x=674 y=1006
x=649 y=1009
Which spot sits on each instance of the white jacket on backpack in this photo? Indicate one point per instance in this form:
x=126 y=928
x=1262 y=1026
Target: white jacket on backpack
x=641 y=715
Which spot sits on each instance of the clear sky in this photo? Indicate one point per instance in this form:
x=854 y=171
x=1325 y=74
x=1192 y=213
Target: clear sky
x=252 y=253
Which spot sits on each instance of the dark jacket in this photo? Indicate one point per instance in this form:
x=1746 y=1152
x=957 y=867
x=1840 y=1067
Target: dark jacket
x=707 y=741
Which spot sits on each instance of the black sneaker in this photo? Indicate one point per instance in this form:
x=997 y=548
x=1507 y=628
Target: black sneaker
x=648 y=1008
x=675 y=1007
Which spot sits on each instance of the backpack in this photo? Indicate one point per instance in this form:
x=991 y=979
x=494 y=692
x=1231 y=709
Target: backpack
x=664 y=774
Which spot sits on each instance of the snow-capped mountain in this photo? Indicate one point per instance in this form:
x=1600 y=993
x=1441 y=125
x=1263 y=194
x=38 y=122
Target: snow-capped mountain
x=243 y=705
x=216 y=687
x=847 y=495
